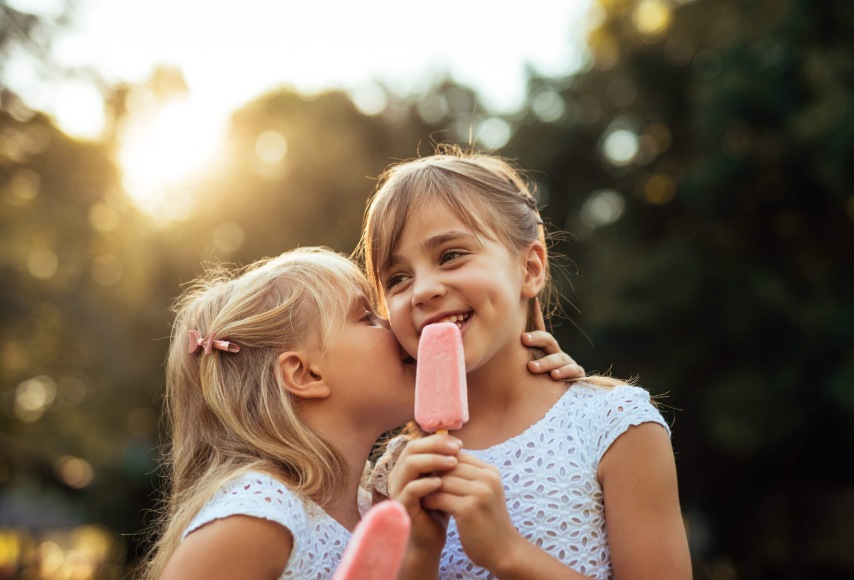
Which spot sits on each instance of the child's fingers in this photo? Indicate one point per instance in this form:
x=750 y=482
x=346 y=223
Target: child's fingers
x=436 y=453
x=481 y=482
x=559 y=366
x=413 y=492
x=471 y=483
x=466 y=458
x=557 y=363
x=542 y=340
x=415 y=466
x=436 y=443
x=428 y=527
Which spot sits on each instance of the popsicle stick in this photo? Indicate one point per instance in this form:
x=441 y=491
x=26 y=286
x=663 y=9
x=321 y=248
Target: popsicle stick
x=442 y=431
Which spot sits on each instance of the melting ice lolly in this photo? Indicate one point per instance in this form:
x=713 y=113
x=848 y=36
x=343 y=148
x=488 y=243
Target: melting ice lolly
x=378 y=544
x=441 y=400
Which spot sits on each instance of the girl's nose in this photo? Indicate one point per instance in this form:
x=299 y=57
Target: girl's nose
x=425 y=289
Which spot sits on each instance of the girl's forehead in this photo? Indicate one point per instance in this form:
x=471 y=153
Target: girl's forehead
x=438 y=214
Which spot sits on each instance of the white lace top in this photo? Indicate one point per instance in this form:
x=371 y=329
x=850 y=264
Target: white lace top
x=319 y=540
x=549 y=474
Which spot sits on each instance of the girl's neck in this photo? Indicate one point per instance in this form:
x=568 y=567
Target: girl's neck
x=505 y=399
x=355 y=446
x=344 y=508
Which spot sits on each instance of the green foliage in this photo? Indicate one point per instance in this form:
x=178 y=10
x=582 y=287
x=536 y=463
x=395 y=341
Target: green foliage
x=714 y=262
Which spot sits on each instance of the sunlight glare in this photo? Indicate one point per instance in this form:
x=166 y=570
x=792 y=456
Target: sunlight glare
x=79 y=110
x=164 y=151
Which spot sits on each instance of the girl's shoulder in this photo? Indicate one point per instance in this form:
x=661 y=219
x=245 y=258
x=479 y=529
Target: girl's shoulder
x=610 y=401
x=596 y=393
x=609 y=411
x=255 y=494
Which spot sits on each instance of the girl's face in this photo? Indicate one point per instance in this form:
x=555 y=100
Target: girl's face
x=366 y=367
x=441 y=271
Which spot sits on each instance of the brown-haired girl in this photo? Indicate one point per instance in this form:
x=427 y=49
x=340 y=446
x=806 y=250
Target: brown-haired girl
x=558 y=480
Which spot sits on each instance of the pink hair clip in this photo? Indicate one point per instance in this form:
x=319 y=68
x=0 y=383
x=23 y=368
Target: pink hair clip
x=209 y=342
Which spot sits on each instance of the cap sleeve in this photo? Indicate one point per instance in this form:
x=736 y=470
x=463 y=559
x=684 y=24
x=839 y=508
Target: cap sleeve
x=624 y=407
x=258 y=495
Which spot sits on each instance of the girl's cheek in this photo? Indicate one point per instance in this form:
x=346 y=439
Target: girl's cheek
x=403 y=339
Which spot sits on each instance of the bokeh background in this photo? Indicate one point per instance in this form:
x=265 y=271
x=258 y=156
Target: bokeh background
x=700 y=155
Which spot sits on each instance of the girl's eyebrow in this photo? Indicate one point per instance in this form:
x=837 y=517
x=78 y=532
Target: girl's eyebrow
x=434 y=242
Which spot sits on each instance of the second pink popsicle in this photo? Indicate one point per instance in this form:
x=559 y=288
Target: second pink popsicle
x=378 y=545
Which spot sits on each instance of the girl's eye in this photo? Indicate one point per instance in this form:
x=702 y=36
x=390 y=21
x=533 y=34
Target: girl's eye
x=394 y=280
x=370 y=317
x=449 y=256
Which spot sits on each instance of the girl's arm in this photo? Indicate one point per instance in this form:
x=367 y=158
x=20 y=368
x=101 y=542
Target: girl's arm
x=473 y=493
x=408 y=485
x=232 y=547
x=646 y=534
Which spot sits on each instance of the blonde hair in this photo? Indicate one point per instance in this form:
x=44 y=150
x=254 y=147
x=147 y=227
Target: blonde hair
x=228 y=412
x=486 y=192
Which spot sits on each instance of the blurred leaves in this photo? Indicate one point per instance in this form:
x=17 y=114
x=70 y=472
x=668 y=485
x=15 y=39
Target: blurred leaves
x=701 y=163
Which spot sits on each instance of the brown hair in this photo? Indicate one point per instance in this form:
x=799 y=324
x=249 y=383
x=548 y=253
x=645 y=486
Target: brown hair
x=485 y=192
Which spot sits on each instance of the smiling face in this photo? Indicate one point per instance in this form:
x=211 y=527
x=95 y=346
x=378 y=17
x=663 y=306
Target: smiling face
x=441 y=270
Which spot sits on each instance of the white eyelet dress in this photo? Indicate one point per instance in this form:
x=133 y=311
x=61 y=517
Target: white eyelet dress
x=319 y=540
x=549 y=473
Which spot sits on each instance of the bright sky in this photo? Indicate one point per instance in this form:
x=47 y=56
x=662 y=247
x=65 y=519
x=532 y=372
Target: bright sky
x=231 y=52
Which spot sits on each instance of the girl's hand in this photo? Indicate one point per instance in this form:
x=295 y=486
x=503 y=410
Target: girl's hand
x=472 y=492
x=559 y=365
x=415 y=476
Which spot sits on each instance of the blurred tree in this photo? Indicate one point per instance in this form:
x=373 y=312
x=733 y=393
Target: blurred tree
x=299 y=172
x=77 y=326
x=76 y=323
x=703 y=164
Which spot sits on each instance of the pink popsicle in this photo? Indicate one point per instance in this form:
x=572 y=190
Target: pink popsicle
x=378 y=545
x=441 y=399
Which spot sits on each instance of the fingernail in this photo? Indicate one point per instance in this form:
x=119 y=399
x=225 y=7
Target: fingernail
x=556 y=372
x=449 y=459
x=537 y=365
x=529 y=336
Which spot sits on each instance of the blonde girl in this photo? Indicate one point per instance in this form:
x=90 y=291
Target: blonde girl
x=557 y=480
x=279 y=380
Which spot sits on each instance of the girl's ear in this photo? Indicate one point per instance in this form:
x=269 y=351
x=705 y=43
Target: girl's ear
x=299 y=378
x=535 y=270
